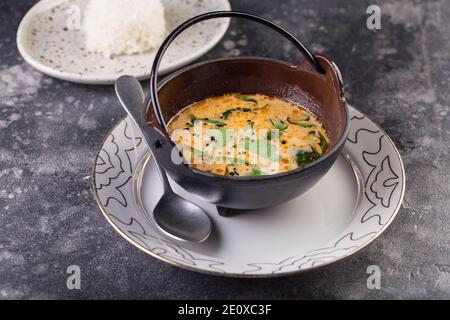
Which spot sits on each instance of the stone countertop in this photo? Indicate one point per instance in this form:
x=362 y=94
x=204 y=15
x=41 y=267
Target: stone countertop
x=50 y=131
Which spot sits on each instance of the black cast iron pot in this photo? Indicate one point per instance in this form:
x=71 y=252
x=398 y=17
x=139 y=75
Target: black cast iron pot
x=315 y=84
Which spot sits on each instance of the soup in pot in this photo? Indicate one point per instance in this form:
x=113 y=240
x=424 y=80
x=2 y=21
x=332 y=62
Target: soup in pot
x=247 y=135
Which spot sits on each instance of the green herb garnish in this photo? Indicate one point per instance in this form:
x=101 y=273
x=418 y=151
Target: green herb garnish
x=255 y=172
x=227 y=113
x=304 y=158
x=323 y=143
x=248 y=99
x=300 y=123
x=215 y=123
x=279 y=124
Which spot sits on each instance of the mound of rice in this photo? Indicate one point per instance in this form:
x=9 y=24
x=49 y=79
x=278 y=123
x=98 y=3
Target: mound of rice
x=123 y=27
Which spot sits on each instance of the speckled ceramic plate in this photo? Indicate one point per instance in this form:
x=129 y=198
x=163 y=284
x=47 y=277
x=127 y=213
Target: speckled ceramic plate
x=48 y=38
x=350 y=207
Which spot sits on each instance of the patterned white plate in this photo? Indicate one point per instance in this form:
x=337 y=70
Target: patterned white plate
x=50 y=40
x=350 y=207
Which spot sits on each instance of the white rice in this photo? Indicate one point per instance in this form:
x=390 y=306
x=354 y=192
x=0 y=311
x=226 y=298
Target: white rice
x=123 y=27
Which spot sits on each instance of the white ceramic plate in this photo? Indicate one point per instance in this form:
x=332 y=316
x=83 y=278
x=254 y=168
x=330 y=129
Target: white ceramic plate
x=350 y=207
x=45 y=41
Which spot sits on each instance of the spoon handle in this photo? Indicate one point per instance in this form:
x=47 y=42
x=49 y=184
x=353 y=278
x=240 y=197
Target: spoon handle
x=130 y=94
x=163 y=176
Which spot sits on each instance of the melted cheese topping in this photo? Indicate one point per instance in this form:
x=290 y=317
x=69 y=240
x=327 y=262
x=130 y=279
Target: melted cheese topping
x=252 y=135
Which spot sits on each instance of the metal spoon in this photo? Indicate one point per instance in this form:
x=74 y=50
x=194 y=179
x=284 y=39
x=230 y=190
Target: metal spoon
x=174 y=215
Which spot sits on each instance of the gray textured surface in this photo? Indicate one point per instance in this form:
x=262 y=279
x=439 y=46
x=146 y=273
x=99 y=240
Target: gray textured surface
x=50 y=131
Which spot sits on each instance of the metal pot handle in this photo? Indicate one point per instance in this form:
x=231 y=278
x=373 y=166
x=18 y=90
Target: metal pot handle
x=212 y=15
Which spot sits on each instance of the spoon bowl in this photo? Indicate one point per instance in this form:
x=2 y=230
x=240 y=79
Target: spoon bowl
x=181 y=219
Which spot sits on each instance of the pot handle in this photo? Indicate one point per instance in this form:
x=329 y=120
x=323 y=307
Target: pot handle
x=212 y=15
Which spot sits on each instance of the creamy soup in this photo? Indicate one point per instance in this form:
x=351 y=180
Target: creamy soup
x=247 y=135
